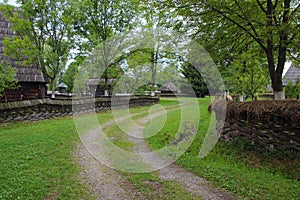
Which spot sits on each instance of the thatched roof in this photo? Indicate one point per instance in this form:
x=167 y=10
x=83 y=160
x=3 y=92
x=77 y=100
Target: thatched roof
x=293 y=74
x=169 y=87
x=29 y=73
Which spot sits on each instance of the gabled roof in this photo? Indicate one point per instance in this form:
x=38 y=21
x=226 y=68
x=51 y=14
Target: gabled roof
x=29 y=73
x=97 y=81
x=168 y=87
x=293 y=74
x=62 y=85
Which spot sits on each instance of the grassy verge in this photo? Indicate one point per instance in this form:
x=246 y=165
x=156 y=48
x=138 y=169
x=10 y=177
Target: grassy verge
x=149 y=186
x=248 y=173
x=36 y=161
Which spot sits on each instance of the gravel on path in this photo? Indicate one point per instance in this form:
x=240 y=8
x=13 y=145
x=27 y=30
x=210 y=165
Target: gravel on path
x=107 y=183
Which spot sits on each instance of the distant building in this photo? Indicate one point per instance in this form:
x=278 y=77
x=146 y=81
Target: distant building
x=62 y=88
x=292 y=75
x=31 y=80
x=168 y=88
x=96 y=86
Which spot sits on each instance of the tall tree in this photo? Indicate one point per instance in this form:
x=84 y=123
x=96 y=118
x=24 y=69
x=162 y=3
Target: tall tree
x=43 y=29
x=226 y=27
x=69 y=76
x=96 y=21
x=245 y=75
x=195 y=79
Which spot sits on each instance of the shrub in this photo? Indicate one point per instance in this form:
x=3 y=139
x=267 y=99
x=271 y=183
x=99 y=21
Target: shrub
x=292 y=90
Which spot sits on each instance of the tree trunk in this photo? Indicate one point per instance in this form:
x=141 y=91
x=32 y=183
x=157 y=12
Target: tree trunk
x=154 y=58
x=153 y=71
x=279 y=95
x=106 y=93
x=53 y=88
x=276 y=72
x=277 y=85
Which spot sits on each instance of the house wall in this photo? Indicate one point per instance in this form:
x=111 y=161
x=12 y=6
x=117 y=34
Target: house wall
x=25 y=91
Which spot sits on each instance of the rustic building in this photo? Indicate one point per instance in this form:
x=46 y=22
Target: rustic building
x=168 y=88
x=32 y=82
x=62 y=87
x=292 y=75
x=96 y=86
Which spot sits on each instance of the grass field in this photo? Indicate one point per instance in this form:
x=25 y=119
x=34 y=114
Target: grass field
x=37 y=163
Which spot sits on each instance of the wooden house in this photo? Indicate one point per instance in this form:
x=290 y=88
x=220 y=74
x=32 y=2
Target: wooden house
x=96 y=87
x=292 y=75
x=62 y=87
x=31 y=80
x=168 y=88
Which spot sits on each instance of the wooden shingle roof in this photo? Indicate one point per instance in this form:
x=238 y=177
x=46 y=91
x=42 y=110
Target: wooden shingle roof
x=29 y=73
x=292 y=75
x=168 y=87
x=97 y=81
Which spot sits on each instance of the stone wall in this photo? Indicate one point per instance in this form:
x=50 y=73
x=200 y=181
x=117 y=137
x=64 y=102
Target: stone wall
x=39 y=109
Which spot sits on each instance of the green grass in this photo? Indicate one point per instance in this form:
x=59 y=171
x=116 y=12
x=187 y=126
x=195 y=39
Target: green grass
x=149 y=186
x=249 y=173
x=36 y=162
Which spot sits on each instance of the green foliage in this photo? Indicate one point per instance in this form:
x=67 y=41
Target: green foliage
x=246 y=75
x=44 y=37
x=70 y=75
x=292 y=91
x=140 y=72
x=95 y=21
x=195 y=79
x=7 y=79
x=226 y=28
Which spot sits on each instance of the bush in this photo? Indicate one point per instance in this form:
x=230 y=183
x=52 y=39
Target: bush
x=292 y=90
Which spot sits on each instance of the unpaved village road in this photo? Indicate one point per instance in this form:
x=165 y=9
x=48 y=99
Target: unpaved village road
x=107 y=183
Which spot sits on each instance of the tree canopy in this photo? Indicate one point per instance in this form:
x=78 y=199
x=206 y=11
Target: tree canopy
x=227 y=27
x=43 y=35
